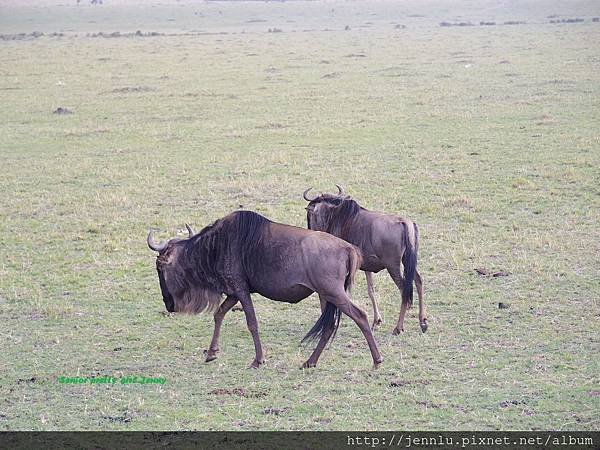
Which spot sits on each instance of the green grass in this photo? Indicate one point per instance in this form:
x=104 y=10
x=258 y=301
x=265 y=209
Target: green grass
x=487 y=137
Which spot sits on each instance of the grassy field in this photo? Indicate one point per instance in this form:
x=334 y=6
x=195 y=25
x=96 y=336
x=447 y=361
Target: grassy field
x=486 y=136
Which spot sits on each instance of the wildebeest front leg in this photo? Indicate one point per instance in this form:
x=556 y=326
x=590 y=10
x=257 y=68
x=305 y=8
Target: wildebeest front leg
x=422 y=311
x=371 y=290
x=229 y=302
x=252 y=323
x=399 y=280
x=360 y=318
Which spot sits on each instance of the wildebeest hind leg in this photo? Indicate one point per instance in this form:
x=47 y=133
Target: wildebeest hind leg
x=252 y=323
x=399 y=280
x=371 y=290
x=229 y=302
x=422 y=309
x=360 y=318
x=314 y=357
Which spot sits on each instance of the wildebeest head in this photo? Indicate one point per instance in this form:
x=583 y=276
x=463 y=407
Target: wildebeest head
x=167 y=251
x=322 y=208
x=180 y=292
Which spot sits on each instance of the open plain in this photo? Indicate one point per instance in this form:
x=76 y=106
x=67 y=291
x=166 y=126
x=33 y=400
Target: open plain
x=486 y=135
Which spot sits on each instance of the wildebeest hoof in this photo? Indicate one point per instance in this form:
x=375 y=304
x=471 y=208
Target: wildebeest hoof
x=256 y=364
x=396 y=331
x=376 y=324
x=377 y=364
x=211 y=355
x=308 y=365
x=424 y=326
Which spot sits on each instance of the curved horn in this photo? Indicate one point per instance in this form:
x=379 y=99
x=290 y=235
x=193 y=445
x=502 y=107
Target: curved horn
x=153 y=245
x=190 y=230
x=308 y=199
x=340 y=190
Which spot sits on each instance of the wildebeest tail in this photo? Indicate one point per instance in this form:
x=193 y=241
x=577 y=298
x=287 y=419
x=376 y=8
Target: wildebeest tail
x=329 y=318
x=354 y=263
x=409 y=260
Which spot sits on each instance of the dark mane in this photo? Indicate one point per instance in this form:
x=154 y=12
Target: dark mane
x=196 y=281
x=338 y=218
x=230 y=239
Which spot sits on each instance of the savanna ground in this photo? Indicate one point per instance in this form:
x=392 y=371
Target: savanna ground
x=487 y=136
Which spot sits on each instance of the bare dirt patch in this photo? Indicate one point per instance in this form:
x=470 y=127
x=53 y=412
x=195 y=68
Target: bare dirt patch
x=401 y=383
x=490 y=273
x=276 y=411
x=239 y=392
x=271 y=126
x=131 y=90
x=61 y=110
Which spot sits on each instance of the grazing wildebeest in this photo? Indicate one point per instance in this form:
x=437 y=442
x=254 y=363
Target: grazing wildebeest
x=386 y=240
x=244 y=253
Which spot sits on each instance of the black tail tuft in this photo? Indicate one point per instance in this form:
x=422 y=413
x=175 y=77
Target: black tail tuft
x=409 y=260
x=329 y=318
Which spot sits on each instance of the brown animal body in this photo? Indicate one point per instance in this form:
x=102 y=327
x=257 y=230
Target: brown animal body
x=246 y=253
x=387 y=242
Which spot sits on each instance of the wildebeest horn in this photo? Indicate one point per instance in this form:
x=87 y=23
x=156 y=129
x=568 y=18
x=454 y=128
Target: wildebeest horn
x=190 y=230
x=153 y=245
x=308 y=199
x=340 y=190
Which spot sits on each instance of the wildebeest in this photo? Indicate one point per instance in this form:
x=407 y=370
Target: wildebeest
x=244 y=253
x=386 y=240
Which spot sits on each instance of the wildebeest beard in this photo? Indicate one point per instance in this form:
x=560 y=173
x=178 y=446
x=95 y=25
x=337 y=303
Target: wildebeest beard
x=196 y=299
x=197 y=270
x=181 y=292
